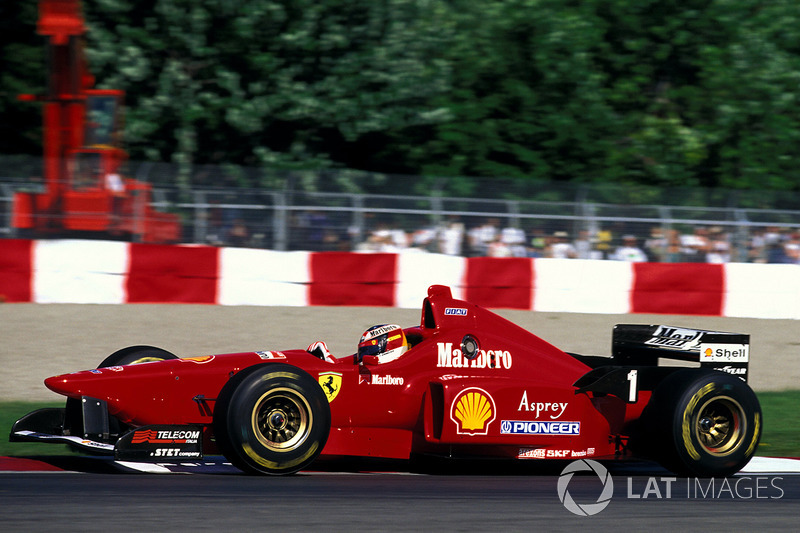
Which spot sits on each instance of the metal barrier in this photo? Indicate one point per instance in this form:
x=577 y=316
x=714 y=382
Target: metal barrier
x=371 y=212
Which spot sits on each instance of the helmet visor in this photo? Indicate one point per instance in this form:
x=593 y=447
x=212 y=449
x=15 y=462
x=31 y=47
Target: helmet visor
x=372 y=346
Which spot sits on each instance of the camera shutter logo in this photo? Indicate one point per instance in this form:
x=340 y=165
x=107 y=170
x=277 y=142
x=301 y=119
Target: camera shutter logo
x=586 y=509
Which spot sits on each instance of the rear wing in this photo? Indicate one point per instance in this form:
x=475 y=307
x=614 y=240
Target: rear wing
x=635 y=344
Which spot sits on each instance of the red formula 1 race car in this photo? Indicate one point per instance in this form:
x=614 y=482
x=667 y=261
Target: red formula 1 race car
x=464 y=383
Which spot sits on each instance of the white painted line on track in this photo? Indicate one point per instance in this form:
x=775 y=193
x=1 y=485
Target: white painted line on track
x=148 y=468
x=772 y=465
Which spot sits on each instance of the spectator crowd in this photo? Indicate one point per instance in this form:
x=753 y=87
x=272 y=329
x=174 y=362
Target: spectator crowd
x=325 y=231
x=701 y=245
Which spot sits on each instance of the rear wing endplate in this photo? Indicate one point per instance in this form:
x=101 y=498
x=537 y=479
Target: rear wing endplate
x=637 y=344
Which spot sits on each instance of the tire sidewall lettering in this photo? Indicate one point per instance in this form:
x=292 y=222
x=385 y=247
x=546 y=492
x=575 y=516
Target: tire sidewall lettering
x=674 y=428
x=689 y=415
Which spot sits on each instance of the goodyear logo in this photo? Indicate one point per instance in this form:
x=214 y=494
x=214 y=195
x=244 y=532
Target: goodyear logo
x=472 y=411
x=331 y=383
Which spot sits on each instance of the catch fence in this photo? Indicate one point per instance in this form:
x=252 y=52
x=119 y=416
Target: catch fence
x=350 y=211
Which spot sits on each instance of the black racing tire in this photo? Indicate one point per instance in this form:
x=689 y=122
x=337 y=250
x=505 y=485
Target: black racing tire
x=271 y=418
x=134 y=355
x=704 y=423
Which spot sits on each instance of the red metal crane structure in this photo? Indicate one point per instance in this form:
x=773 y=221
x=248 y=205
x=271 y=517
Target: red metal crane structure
x=85 y=192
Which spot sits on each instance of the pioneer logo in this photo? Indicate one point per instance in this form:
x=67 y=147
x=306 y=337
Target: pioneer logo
x=525 y=427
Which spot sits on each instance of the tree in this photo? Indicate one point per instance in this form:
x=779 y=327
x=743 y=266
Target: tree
x=281 y=83
x=21 y=72
x=669 y=93
x=750 y=88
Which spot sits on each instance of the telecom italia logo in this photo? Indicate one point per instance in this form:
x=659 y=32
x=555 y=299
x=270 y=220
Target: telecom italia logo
x=663 y=488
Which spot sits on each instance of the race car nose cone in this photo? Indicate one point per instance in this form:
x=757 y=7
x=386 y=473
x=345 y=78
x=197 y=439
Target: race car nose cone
x=69 y=384
x=59 y=384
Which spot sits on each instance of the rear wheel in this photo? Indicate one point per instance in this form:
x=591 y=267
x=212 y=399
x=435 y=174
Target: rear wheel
x=705 y=423
x=134 y=355
x=271 y=419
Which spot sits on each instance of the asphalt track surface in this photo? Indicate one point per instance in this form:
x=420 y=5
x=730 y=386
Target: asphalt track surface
x=326 y=501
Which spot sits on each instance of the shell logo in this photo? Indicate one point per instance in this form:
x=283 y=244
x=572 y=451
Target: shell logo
x=709 y=352
x=199 y=360
x=472 y=411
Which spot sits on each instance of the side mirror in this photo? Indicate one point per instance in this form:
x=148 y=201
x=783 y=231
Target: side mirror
x=370 y=360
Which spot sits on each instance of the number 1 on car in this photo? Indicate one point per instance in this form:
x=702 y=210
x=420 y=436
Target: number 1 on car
x=633 y=389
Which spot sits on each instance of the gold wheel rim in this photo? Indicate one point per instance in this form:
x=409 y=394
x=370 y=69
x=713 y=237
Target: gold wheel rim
x=720 y=425
x=281 y=419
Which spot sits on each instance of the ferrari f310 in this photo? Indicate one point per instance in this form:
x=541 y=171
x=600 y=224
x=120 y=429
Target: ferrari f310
x=465 y=382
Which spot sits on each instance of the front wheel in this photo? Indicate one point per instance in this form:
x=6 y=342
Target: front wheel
x=271 y=419
x=705 y=423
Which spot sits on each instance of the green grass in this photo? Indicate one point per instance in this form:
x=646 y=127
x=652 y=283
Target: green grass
x=9 y=413
x=781 y=436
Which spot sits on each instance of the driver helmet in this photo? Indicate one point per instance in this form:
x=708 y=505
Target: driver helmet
x=387 y=341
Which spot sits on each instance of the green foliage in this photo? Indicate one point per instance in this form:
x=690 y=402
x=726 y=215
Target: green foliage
x=663 y=93
x=21 y=72
x=298 y=84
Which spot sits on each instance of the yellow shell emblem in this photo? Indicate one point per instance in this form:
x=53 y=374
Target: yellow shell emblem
x=472 y=411
x=199 y=360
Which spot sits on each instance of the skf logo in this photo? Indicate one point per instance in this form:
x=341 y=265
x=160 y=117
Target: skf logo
x=331 y=383
x=472 y=411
